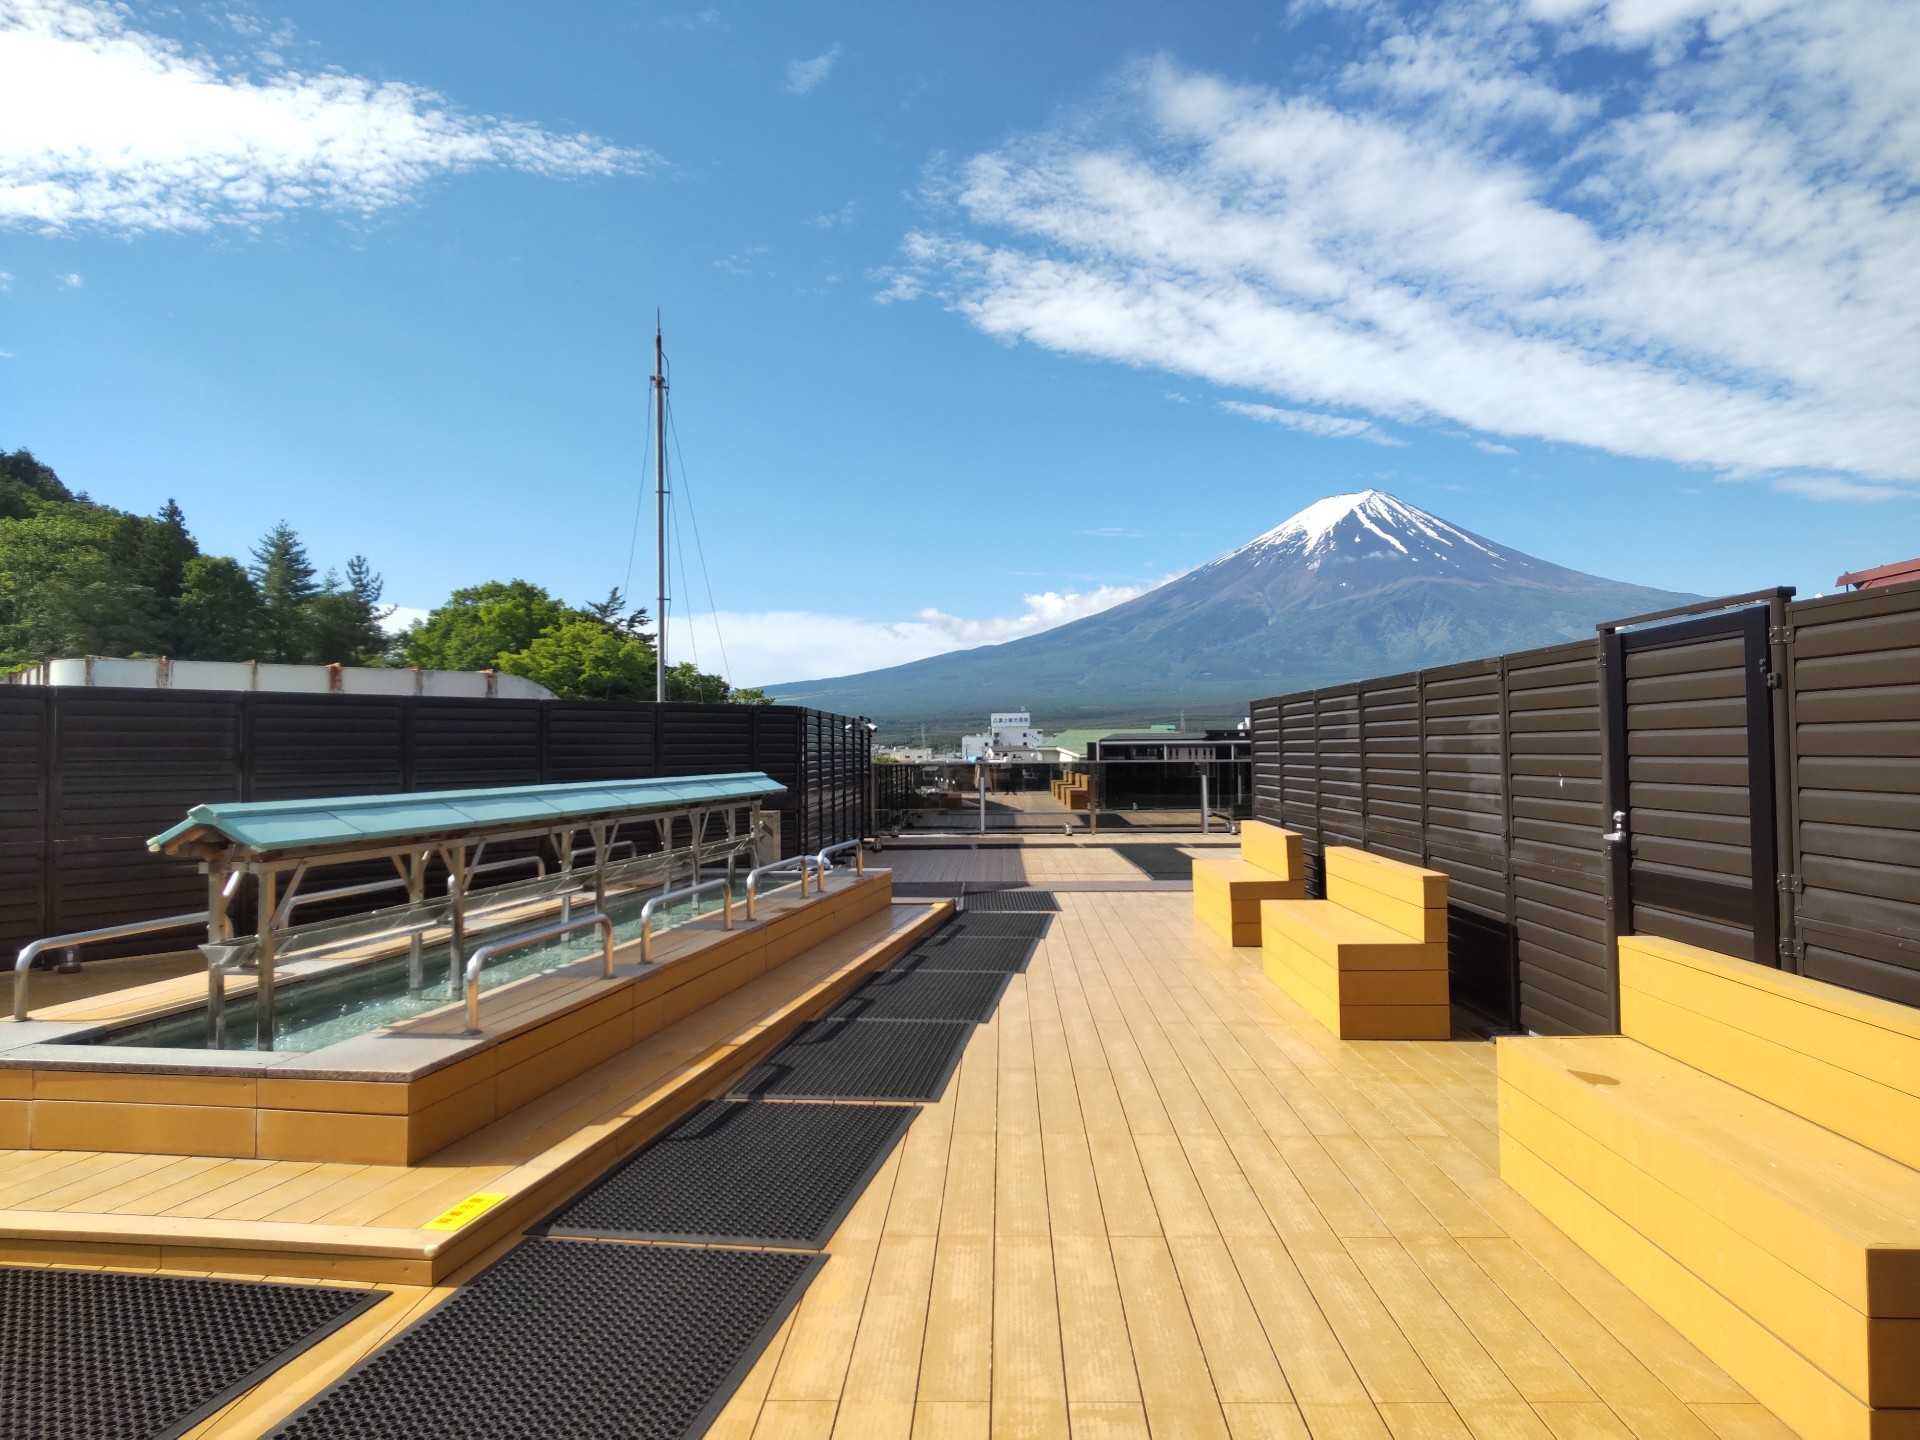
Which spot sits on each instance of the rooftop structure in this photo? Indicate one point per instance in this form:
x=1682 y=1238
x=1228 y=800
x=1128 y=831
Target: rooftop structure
x=163 y=673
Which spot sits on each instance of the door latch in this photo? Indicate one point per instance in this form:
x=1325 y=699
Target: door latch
x=1617 y=835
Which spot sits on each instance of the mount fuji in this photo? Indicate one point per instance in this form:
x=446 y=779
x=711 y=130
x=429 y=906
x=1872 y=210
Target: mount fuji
x=1351 y=586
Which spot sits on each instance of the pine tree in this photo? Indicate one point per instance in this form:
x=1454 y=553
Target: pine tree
x=284 y=577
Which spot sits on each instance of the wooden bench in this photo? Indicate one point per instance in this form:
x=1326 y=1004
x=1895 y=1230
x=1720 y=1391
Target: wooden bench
x=1228 y=891
x=1370 y=961
x=1742 y=1157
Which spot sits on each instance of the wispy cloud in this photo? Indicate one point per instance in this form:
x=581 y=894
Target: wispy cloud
x=1703 y=250
x=770 y=645
x=6 y=355
x=72 y=280
x=742 y=262
x=1309 y=422
x=1113 y=532
x=6 y=281
x=108 y=126
x=705 y=18
x=1839 y=487
x=836 y=219
x=1494 y=447
x=1178 y=398
x=806 y=76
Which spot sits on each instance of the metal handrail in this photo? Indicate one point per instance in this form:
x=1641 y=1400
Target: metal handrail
x=553 y=931
x=508 y=862
x=724 y=884
x=23 y=962
x=753 y=877
x=859 y=858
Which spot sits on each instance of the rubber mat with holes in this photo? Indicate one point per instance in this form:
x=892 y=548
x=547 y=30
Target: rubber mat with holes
x=1158 y=862
x=991 y=901
x=861 y=1060
x=1000 y=955
x=571 y=1338
x=977 y=926
x=903 y=994
x=741 y=1174
x=107 y=1355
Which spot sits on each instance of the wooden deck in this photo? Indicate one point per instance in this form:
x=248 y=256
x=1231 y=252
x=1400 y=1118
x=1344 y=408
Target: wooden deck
x=1159 y=1200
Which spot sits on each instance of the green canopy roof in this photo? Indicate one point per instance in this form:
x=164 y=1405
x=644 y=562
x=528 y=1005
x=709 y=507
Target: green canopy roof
x=293 y=827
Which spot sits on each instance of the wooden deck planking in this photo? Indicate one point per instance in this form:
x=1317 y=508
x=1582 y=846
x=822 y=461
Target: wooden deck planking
x=1157 y=1199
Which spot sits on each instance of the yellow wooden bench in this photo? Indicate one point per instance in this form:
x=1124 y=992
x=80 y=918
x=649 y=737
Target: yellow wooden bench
x=1228 y=891
x=1742 y=1157
x=1370 y=961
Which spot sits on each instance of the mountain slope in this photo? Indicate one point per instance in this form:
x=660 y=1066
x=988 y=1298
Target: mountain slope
x=1353 y=585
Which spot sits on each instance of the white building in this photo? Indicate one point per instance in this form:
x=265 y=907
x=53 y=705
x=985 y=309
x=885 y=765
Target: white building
x=1007 y=731
x=162 y=673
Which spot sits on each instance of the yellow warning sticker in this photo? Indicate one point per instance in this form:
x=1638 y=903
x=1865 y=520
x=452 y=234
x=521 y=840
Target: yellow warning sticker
x=459 y=1216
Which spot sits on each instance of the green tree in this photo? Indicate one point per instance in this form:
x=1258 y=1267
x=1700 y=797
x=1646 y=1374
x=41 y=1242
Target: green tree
x=686 y=681
x=26 y=485
x=66 y=589
x=583 y=658
x=750 y=695
x=343 y=621
x=219 y=615
x=481 y=623
x=284 y=576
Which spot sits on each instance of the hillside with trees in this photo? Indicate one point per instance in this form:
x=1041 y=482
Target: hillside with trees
x=81 y=578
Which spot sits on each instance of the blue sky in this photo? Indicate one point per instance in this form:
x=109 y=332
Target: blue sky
x=980 y=316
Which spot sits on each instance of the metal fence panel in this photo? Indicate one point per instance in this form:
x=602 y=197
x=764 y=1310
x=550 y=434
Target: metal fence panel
x=86 y=775
x=1557 y=811
x=1854 y=723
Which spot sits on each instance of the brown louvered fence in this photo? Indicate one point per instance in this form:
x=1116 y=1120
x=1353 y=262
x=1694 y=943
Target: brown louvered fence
x=87 y=774
x=1758 y=760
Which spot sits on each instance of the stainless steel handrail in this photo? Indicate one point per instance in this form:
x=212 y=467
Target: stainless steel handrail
x=859 y=858
x=508 y=862
x=23 y=962
x=477 y=961
x=754 y=876
x=724 y=884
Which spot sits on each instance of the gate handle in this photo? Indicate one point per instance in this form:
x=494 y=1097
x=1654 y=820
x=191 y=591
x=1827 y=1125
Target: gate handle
x=1617 y=835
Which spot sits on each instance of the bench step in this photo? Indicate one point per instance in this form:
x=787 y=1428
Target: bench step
x=1788 y=1253
x=1354 y=975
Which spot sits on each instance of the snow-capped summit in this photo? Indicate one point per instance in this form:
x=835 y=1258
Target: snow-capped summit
x=1373 y=525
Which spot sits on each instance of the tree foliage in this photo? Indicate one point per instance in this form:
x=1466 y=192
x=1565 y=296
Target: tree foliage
x=78 y=578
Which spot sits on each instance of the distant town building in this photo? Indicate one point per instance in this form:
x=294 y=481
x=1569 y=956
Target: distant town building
x=1007 y=731
x=904 y=754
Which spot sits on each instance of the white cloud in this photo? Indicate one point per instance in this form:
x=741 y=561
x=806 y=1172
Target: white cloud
x=766 y=646
x=1494 y=447
x=73 y=281
x=806 y=76
x=1839 y=487
x=1712 y=260
x=402 y=617
x=836 y=219
x=6 y=355
x=104 y=125
x=1331 y=427
x=6 y=281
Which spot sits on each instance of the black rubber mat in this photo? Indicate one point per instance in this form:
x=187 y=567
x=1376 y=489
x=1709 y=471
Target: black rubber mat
x=571 y=1338
x=998 y=954
x=1002 y=901
x=979 y=925
x=1158 y=862
x=105 y=1355
x=861 y=1060
x=742 y=1174
x=925 y=994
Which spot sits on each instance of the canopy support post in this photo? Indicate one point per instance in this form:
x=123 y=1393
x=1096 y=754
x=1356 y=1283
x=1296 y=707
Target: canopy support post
x=263 y=962
x=455 y=856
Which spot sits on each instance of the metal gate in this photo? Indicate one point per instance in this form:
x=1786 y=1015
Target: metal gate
x=1690 y=775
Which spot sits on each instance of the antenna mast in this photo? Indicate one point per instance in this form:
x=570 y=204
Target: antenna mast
x=660 y=510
